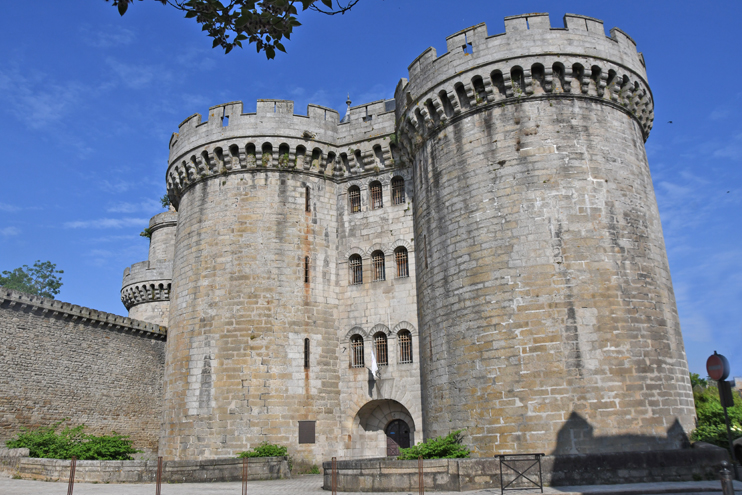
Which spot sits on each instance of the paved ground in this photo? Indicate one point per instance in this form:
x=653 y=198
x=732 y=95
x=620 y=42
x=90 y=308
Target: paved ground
x=313 y=484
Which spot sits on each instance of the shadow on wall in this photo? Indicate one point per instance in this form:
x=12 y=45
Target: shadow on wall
x=582 y=458
x=577 y=437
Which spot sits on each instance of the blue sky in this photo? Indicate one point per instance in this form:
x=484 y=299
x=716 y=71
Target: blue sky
x=88 y=101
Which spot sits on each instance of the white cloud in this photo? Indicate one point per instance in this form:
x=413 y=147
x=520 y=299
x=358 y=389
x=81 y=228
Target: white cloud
x=36 y=100
x=732 y=149
x=719 y=114
x=137 y=76
x=107 y=223
x=112 y=35
x=148 y=205
x=9 y=208
x=9 y=231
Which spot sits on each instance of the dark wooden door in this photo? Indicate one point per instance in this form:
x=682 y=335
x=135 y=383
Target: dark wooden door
x=397 y=436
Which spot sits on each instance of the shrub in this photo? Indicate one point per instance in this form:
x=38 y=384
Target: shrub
x=265 y=449
x=45 y=442
x=711 y=426
x=448 y=447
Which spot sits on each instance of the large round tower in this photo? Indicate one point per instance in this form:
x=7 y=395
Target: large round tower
x=252 y=346
x=546 y=310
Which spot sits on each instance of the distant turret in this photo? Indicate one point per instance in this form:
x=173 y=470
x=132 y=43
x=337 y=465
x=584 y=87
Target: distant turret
x=146 y=286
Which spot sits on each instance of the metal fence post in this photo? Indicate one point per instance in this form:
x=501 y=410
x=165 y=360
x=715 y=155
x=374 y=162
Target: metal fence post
x=334 y=475
x=727 y=485
x=420 y=478
x=245 y=464
x=71 y=485
x=158 y=481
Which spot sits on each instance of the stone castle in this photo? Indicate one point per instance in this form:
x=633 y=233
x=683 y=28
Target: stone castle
x=482 y=252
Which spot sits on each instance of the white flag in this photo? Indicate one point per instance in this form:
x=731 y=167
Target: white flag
x=374 y=366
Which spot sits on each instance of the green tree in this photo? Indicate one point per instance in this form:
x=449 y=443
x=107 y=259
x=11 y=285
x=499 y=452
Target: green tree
x=695 y=379
x=711 y=426
x=41 y=279
x=261 y=22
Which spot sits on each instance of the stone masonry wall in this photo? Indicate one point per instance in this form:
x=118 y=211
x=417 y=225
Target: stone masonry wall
x=240 y=312
x=64 y=361
x=388 y=306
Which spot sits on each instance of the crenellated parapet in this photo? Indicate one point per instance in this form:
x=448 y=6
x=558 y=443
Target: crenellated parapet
x=71 y=312
x=146 y=281
x=273 y=138
x=531 y=60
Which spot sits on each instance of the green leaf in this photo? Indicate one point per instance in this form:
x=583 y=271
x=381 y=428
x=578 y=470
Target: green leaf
x=270 y=52
x=123 y=6
x=280 y=47
x=328 y=3
x=190 y=14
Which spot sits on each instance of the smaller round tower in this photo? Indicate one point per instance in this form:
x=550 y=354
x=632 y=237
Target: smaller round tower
x=145 y=290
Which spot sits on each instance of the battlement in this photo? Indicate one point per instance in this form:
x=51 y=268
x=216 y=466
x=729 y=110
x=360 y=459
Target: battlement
x=163 y=220
x=146 y=271
x=529 y=59
x=58 y=309
x=275 y=138
x=528 y=34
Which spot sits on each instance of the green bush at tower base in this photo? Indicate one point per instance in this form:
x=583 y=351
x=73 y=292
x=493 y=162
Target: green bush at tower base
x=265 y=449
x=448 y=447
x=45 y=442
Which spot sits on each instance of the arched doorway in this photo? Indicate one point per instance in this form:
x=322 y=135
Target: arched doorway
x=397 y=436
x=371 y=427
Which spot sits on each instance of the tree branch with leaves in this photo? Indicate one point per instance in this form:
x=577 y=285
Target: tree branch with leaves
x=264 y=23
x=41 y=279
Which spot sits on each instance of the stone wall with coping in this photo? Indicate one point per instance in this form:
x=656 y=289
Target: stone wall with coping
x=389 y=475
x=66 y=361
x=194 y=471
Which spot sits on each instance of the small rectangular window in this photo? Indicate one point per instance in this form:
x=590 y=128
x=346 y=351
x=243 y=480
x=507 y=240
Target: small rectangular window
x=306 y=353
x=306 y=431
x=377 y=200
x=306 y=270
x=354 y=196
x=307 y=200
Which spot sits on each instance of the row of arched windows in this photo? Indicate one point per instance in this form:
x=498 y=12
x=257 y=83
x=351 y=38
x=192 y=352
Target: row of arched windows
x=377 y=199
x=381 y=349
x=378 y=266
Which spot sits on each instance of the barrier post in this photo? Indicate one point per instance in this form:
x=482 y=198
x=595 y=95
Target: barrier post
x=71 y=485
x=334 y=475
x=158 y=481
x=245 y=463
x=420 y=477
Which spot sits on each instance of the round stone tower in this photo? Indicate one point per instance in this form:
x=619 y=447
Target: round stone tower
x=145 y=290
x=546 y=310
x=252 y=346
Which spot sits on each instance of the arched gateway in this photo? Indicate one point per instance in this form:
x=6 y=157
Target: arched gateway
x=381 y=428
